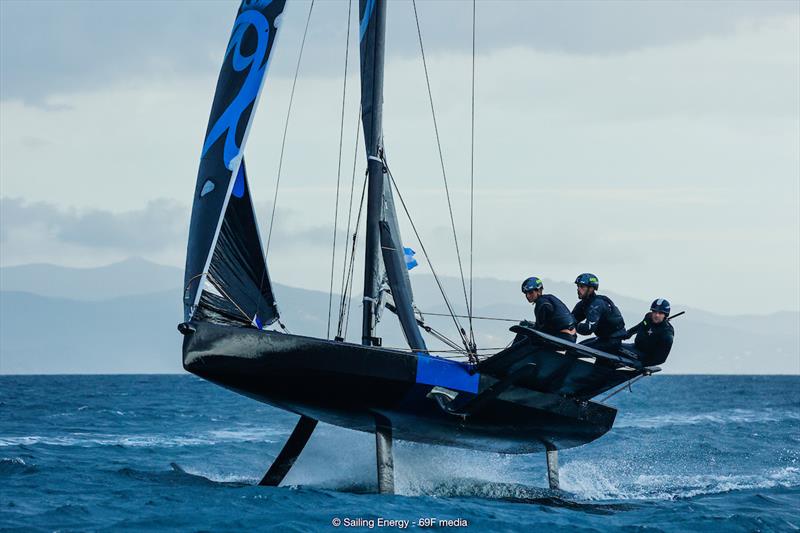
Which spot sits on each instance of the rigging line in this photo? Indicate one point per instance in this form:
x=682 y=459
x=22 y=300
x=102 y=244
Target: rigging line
x=459 y=351
x=344 y=310
x=472 y=183
x=218 y=286
x=441 y=156
x=286 y=128
x=348 y=300
x=476 y=317
x=352 y=189
x=443 y=338
x=349 y=219
x=427 y=258
x=424 y=250
x=280 y=161
x=429 y=329
x=339 y=166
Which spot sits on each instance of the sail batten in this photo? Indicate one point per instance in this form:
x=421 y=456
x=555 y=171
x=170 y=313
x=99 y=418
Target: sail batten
x=224 y=249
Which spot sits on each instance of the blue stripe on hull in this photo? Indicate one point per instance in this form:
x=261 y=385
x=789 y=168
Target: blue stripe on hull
x=450 y=374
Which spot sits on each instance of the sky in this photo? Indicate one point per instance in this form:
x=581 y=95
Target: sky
x=656 y=144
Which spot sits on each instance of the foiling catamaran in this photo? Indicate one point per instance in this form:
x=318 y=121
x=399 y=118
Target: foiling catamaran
x=533 y=396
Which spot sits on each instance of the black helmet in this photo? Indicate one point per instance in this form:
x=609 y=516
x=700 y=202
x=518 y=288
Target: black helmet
x=531 y=284
x=590 y=280
x=660 y=306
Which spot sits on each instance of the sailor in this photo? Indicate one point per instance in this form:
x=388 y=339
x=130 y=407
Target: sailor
x=597 y=314
x=552 y=316
x=654 y=335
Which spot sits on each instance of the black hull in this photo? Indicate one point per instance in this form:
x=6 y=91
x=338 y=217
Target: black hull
x=348 y=385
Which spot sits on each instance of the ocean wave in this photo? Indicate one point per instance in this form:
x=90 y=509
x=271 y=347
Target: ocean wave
x=146 y=441
x=216 y=477
x=591 y=482
x=178 y=476
x=133 y=441
x=731 y=416
x=77 y=412
x=15 y=465
x=248 y=434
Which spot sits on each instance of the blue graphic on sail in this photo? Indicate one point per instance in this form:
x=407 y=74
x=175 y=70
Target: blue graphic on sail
x=255 y=66
x=370 y=4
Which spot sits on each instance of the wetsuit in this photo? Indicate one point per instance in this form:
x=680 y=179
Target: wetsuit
x=653 y=341
x=600 y=316
x=553 y=317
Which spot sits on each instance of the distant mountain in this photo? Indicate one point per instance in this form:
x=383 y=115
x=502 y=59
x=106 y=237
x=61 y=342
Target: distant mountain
x=122 y=318
x=129 y=334
x=127 y=278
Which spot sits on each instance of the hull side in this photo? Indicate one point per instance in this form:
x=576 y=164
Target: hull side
x=348 y=385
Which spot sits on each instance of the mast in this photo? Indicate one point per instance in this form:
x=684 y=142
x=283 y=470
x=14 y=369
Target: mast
x=372 y=35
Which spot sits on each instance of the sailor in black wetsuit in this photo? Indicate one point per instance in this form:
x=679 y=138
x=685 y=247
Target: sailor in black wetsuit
x=654 y=335
x=552 y=316
x=597 y=314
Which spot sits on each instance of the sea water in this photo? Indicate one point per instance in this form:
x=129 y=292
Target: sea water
x=687 y=453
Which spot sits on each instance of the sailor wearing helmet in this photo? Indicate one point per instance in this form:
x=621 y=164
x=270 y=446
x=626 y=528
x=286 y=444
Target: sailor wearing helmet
x=596 y=314
x=654 y=335
x=552 y=316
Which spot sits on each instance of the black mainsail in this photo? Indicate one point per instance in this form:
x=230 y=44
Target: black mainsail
x=226 y=278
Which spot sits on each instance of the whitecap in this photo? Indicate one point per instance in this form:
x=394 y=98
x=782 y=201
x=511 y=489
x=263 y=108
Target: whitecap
x=79 y=439
x=730 y=416
x=592 y=481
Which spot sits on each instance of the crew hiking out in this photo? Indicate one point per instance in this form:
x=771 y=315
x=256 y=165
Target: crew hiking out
x=654 y=335
x=596 y=314
x=552 y=316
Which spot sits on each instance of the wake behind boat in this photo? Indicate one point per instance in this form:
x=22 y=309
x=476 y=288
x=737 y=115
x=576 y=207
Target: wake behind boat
x=534 y=396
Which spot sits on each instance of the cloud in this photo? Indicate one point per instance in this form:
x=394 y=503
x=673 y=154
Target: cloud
x=43 y=232
x=671 y=162
x=158 y=225
x=53 y=47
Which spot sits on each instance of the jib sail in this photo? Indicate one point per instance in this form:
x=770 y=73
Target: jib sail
x=226 y=278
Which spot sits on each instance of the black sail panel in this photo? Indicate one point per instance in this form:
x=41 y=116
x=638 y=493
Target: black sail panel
x=237 y=288
x=216 y=213
x=397 y=272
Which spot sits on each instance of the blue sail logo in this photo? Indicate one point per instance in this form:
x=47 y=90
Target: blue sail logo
x=228 y=121
x=365 y=21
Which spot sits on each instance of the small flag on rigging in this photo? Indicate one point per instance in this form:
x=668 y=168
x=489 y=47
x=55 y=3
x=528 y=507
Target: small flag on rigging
x=409 y=254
